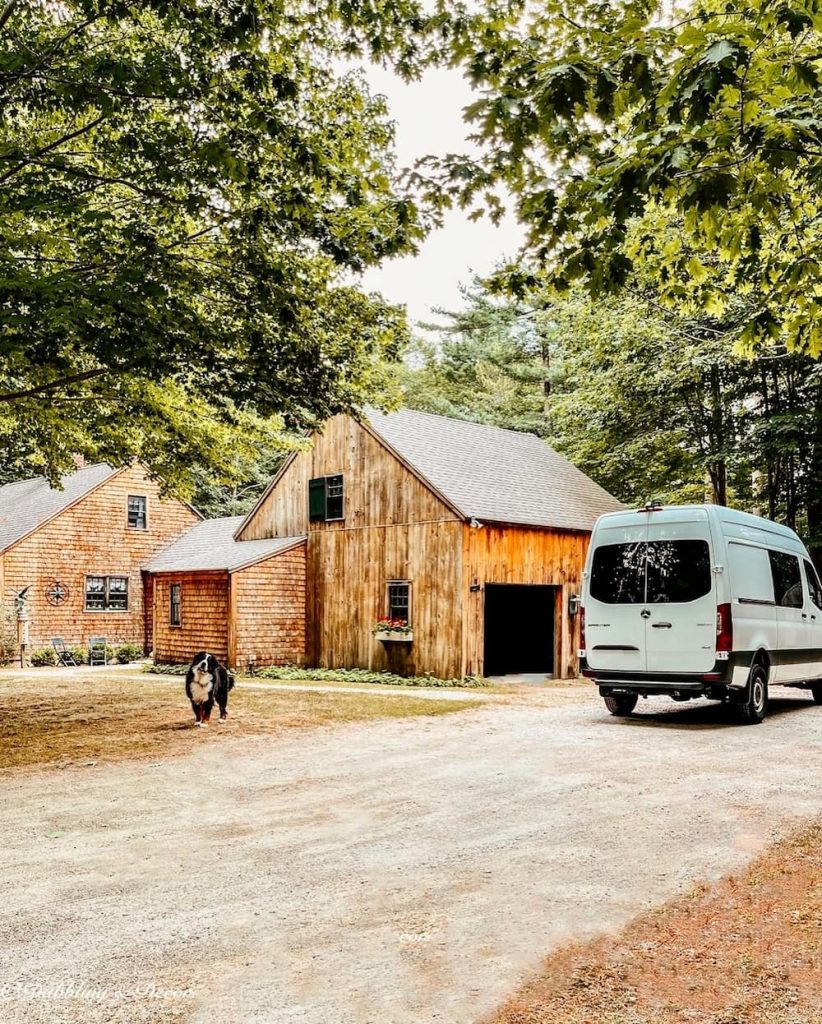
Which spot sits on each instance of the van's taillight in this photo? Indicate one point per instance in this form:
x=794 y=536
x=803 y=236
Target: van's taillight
x=724 y=629
x=582 y=631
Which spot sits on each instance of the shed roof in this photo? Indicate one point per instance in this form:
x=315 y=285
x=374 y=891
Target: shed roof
x=488 y=473
x=210 y=545
x=27 y=504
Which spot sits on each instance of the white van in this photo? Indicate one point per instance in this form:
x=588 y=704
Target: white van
x=699 y=600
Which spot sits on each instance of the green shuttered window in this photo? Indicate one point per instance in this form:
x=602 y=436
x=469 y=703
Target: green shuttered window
x=326 y=498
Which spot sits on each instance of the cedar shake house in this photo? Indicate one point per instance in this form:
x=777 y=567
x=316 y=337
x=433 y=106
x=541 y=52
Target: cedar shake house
x=476 y=536
x=81 y=551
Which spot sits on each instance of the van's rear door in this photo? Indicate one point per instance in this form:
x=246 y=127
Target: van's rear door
x=680 y=592
x=615 y=595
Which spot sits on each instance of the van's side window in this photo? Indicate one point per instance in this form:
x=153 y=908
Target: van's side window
x=787 y=579
x=751 y=577
x=814 y=585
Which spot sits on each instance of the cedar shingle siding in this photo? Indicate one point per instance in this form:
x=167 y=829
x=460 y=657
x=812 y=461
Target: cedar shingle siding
x=65 y=536
x=203 y=617
x=243 y=601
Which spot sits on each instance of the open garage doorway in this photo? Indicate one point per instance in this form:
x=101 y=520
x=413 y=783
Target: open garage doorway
x=519 y=629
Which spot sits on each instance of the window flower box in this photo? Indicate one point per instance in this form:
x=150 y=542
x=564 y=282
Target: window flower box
x=390 y=631
x=389 y=636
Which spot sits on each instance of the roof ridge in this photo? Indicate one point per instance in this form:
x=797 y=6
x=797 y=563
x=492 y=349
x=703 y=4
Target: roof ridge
x=460 y=419
x=41 y=476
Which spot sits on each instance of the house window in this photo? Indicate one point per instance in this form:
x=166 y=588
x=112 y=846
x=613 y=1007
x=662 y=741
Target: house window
x=399 y=600
x=137 y=519
x=106 y=593
x=326 y=498
x=174 y=604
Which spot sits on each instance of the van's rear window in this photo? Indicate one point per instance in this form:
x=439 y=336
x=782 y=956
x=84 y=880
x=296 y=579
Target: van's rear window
x=618 y=574
x=657 y=572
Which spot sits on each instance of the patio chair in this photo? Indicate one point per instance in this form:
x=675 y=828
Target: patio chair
x=97 y=650
x=64 y=655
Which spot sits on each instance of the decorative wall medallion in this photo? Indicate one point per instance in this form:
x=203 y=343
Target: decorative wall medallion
x=57 y=593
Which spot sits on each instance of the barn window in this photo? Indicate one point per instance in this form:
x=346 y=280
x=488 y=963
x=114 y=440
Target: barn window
x=137 y=518
x=175 y=617
x=106 y=593
x=399 y=600
x=326 y=498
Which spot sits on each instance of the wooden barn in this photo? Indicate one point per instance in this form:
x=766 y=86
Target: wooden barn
x=476 y=536
x=242 y=601
x=80 y=550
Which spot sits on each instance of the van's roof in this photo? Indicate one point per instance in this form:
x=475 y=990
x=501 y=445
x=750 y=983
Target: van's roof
x=720 y=512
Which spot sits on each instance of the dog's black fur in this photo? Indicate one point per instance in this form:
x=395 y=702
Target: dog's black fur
x=207 y=682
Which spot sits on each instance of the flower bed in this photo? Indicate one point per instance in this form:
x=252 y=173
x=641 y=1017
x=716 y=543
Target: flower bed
x=340 y=675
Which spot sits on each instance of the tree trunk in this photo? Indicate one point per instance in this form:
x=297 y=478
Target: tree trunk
x=814 y=486
x=718 y=469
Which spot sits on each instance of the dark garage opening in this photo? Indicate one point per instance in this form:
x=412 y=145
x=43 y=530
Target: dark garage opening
x=519 y=629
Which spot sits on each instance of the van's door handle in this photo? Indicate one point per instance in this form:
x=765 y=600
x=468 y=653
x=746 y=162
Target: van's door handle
x=661 y=625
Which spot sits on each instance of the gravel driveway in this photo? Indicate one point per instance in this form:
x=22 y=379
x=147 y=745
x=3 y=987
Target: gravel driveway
x=402 y=872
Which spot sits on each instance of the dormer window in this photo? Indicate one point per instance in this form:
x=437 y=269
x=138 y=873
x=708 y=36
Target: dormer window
x=326 y=498
x=137 y=517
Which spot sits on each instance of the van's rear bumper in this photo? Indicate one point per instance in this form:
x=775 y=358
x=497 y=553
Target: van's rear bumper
x=719 y=678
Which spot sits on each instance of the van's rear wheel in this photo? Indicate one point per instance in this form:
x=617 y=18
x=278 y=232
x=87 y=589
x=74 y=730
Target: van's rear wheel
x=754 y=706
x=816 y=690
x=621 y=704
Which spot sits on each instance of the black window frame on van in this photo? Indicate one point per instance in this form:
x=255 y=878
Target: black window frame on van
x=692 y=553
x=814 y=584
x=782 y=585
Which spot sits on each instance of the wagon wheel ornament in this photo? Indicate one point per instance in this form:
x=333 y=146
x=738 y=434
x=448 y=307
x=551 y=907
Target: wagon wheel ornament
x=56 y=593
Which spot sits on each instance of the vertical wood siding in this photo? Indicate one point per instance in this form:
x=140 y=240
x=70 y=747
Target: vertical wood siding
x=395 y=527
x=203 y=617
x=268 y=611
x=510 y=554
x=379 y=490
x=92 y=538
x=348 y=571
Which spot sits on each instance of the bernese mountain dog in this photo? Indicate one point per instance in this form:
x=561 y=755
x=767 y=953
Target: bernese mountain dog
x=208 y=681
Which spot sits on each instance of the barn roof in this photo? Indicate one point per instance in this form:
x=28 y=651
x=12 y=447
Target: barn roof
x=210 y=545
x=491 y=474
x=26 y=505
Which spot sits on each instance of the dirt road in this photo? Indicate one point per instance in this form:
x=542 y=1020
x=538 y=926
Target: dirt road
x=401 y=872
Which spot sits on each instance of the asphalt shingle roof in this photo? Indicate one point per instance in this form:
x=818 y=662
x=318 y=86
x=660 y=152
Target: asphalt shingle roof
x=210 y=545
x=493 y=474
x=26 y=504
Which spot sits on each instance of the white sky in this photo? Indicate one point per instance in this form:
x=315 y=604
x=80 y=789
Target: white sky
x=428 y=117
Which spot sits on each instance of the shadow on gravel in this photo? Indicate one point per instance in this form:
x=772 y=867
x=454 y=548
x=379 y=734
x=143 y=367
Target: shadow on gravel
x=708 y=715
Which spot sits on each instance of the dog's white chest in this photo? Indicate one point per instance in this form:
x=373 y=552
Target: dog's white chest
x=201 y=686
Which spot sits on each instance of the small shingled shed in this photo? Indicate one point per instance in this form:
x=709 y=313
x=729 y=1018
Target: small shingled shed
x=241 y=600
